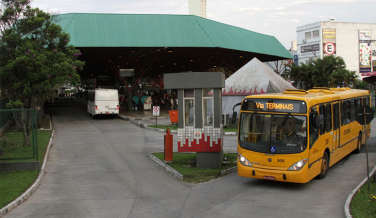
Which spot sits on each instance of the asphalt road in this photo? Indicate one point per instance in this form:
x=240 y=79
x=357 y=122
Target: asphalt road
x=99 y=168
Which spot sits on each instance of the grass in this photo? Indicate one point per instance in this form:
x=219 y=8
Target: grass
x=13 y=184
x=175 y=127
x=363 y=203
x=18 y=151
x=184 y=163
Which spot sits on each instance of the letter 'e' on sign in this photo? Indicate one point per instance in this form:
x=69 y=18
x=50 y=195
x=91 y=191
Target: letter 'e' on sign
x=329 y=48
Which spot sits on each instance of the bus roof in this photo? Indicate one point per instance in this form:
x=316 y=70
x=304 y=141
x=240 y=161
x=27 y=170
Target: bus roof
x=315 y=95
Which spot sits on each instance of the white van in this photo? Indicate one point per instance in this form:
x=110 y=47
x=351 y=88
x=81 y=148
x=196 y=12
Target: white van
x=103 y=101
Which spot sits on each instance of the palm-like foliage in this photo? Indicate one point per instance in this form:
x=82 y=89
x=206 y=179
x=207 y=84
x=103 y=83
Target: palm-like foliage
x=327 y=72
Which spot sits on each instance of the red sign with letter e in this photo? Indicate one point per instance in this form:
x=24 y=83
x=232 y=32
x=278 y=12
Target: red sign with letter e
x=329 y=48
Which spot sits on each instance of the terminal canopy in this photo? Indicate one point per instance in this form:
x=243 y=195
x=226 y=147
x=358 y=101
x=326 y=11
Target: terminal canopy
x=156 y=44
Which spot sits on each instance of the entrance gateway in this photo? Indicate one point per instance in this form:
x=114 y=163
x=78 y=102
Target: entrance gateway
x=200 y=128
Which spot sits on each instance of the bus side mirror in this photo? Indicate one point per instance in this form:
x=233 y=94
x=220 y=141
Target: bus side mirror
x=234 y=117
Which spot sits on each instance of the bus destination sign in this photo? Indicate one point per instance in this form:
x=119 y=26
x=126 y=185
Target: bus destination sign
x=275 y=105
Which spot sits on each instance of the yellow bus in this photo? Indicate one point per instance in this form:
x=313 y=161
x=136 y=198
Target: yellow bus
x=297 y=135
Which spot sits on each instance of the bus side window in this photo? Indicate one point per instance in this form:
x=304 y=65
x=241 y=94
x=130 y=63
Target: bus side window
x=345 y=113
x=313 y=128
x=352 y=110
x=322 y=118
x=367 y=101
x=328 y=118
x=336 y=116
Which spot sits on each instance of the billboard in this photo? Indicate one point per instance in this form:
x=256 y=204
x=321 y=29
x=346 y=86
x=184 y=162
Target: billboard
x=329 y=41
x=365 y=51
x=126 y=72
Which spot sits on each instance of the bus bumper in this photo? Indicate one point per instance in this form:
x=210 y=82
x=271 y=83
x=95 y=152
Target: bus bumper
x=275 y=175
x=107 y=112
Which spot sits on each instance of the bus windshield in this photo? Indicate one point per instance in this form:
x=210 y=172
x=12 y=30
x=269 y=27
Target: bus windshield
x=273 y=133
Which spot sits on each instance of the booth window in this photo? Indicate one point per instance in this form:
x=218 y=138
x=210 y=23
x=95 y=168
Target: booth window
x=189 y=109
x=207 y=104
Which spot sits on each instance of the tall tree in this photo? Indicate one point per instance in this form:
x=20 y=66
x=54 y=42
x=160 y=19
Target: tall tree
x=327 y=72
x=35 y=55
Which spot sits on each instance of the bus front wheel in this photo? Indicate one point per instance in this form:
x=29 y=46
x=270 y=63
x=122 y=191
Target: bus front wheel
x=359 y=145
x=324 y=166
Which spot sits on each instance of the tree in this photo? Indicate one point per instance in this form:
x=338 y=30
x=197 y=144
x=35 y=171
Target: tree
x=327 y=72
x=34 y=57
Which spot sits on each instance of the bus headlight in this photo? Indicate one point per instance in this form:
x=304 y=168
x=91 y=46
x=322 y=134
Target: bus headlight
x=298 y=165
x=244 y=160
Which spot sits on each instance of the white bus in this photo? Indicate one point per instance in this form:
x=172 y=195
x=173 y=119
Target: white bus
x=103 y=101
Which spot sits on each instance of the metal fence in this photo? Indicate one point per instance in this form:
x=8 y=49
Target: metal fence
x=33 y=154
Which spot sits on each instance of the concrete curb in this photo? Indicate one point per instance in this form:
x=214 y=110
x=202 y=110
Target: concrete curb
x=228 y=171
x=33 y=188
x=50 y=124
x=351 y=195
x=167 y=167
x=180 y=176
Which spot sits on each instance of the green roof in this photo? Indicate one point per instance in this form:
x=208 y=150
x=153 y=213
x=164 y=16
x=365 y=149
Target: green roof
x=155 y=30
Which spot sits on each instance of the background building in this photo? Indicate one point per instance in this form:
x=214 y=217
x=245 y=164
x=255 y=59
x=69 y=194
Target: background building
x=197 y=7
x=354 y=42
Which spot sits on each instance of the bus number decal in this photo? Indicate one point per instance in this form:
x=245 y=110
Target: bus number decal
x=281 y=160
x=347 y=131
x=326 y=141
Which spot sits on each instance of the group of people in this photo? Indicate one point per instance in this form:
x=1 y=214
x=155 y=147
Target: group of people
x=164 y=100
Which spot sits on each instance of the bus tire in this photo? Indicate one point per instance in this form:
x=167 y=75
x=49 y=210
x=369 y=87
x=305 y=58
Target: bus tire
x=359 y=144
x=324 y=166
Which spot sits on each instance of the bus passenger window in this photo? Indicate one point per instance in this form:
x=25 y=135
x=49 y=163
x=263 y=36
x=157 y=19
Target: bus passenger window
x=352 y=110
x=322 y=118
x=345 y=113
x=328 y=118
x=313 y=128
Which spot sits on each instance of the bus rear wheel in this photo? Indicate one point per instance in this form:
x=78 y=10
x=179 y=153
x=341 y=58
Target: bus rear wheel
x=324 y=166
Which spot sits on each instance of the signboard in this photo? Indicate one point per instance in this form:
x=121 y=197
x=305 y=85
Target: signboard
x=126 y=72
x=329 y=41
x=275 y=105
x=296 y=58
x=310 y=48
x=156 y=111
x=329 y=33
x=198 y=134
x=364 y=35
x=329 y=48
x=359 y=114
x=365 y=51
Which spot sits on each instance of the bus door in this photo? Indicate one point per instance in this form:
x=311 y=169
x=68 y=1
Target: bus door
x=314 y=147
x=336 y=119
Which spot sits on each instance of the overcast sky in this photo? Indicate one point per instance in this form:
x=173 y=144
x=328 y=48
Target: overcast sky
x=278 y=18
